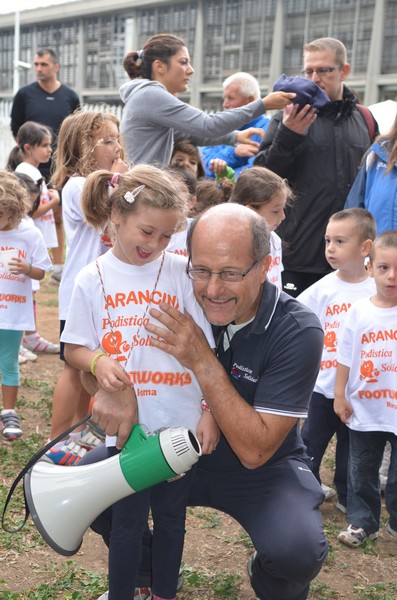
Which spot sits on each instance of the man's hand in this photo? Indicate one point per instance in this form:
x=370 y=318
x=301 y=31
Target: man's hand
x=244 y=136
x=182 y=337
x=245 y=150
x=299 y=122
x=116 y=413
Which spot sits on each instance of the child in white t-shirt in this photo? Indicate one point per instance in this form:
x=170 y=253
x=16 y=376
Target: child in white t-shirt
x=105 y=334
x=34 y=147
x=348 y=240
x=366 y=397
x=87 y=141
x=267 y=194
x=30 y=261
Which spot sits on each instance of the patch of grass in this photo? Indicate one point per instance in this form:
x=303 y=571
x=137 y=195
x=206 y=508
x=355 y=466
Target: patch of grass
x=242 y=538
x=377 y=591
x=227 y=585
x=64 y=577
x=322 y=591
x=224 y=585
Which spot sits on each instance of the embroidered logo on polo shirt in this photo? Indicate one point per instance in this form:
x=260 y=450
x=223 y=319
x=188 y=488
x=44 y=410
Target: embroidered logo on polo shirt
x=239 y=371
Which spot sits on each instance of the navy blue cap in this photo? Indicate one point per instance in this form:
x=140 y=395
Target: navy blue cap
x=307 y=92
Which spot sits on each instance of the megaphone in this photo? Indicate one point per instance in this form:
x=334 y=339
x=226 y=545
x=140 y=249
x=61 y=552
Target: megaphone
x=64 y=501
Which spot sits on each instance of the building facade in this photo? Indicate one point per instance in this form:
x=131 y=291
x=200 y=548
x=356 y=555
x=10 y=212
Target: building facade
x=263 y=37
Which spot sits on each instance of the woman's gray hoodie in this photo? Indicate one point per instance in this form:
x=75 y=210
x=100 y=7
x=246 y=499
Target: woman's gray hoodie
x=153 y=119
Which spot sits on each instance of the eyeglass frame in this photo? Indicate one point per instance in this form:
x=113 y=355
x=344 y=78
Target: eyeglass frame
x=210 y=273
x=329 y=71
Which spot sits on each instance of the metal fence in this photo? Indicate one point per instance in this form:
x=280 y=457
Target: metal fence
x=7 y=141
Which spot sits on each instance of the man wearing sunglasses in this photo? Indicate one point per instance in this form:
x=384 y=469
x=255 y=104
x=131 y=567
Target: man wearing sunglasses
x=319 y=152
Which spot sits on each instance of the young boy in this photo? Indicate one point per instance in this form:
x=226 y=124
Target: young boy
x=348 y=241
x=366 y=397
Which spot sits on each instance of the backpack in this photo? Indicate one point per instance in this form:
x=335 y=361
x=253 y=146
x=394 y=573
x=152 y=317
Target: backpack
x=369 y=120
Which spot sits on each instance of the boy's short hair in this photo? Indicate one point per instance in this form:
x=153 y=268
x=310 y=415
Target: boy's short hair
x=365 y=222
x=387 y=239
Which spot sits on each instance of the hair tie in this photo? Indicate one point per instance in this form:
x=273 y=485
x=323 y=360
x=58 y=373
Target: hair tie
x=139 y=54
x=130 y=197
x=115 y=180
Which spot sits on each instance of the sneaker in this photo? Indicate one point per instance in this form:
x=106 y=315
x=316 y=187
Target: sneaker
x=21 y=359
x=11 y=426
x=341 y=507
x=88 y=440
x=36 y=343
x=143 y=594
x=56 y=274
x=328 y=491
x=390 y=530
x=27 y=354
x=104 y=596
x=96 y=430
x=355 y=536
x=250 y=563
x=70 y=454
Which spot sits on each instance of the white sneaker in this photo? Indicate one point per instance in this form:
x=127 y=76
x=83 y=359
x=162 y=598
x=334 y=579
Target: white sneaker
x=355 y=536
x=328 y=491
x=21 y=359
x=28 y=354
x=36 y=343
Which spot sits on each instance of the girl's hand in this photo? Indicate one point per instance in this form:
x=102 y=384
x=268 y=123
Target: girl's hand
x=18 y=266
x=208 y=432
x=110 y=375
x=217 y=165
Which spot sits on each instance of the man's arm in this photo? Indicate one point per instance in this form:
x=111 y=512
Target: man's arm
x=284 y=140
x=253 y=436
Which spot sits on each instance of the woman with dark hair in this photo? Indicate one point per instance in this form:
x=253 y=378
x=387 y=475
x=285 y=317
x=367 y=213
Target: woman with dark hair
x=154 y=118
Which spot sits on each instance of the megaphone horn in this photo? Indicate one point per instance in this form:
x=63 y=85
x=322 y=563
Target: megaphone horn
x=64 y=501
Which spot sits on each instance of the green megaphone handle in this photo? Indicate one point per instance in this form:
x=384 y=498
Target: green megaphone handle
x=142 y=461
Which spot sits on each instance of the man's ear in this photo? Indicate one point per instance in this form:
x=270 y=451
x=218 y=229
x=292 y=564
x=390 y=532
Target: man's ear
x=264 y=265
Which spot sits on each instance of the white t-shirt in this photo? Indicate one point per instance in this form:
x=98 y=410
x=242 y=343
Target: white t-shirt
x=178 y=240
x=167 y=393
x=368 y=346
x=83 y=243
x=16 y=300
x=330 y=298
x=46 y=223
x=276 y=265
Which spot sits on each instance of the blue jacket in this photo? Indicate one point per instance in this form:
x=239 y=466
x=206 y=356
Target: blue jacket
x=374 y=190
x=228 y=154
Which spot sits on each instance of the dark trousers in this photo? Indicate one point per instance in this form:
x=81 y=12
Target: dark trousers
x=122 y=526
x=364 y=496
x=319 y=427
x=279 y=509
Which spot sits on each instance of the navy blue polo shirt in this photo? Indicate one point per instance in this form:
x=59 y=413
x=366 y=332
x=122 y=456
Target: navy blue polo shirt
x=273 y=363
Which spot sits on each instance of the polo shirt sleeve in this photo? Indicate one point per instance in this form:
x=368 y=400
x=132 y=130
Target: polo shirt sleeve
x=289 y=375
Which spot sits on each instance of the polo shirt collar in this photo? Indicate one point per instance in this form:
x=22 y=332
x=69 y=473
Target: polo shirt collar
x=267 y=308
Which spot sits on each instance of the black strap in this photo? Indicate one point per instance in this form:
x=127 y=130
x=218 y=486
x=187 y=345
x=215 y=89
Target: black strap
x=27 y=468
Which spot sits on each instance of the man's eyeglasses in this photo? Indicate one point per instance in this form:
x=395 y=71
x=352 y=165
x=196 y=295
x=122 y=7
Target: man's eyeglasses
x=227 y=275
x=321 y=71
